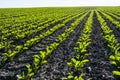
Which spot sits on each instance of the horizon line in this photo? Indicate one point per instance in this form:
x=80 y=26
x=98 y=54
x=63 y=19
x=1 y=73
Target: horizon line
x=63 y=6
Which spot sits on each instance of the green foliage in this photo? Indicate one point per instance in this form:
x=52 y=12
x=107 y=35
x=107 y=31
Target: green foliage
x=40 y=59
x=29 y=74
x=77 y=64
x=71 y=77
x=115 y=22
x=116 y=73
x=112 y=42
x=80 y=60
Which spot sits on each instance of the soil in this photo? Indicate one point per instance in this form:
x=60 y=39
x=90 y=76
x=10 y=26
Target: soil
x=113 y=27
x=99 y=67
x=39 y=32
x=56 y=67
x=11 y=69
x=114 y=17
x=21 y=42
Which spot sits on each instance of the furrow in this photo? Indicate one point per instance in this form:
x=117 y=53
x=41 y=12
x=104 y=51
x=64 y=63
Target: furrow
x=56 y=67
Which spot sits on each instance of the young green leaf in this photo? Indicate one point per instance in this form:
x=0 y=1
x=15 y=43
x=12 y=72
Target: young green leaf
x=116 y=73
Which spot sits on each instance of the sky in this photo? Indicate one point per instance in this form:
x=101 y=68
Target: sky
x=52 y=3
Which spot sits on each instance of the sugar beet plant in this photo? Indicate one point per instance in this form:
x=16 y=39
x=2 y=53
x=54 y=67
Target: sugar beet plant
x=40 y=59
x=80 y=59
x=112 y=44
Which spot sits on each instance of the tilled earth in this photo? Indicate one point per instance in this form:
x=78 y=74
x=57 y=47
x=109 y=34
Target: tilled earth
x=56 y=68
x=11 y=69
x=98 y=68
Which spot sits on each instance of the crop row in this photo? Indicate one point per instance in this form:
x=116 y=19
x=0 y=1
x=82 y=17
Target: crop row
x=112 y=43
x=22 y=30
x=20 y=48
x=41 y=58
x=18 y=34
x=84 y=41
x=112 y=20
x=15 y=31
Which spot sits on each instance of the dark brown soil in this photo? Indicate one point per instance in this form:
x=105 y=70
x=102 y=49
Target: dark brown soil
x=57 y=67
x=11 y=69
x=99 y=67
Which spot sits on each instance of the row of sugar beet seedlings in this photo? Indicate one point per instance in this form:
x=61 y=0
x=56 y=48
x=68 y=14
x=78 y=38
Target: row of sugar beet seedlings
x=40 y=59
x=17 y=30
x=80 y=59
x=24 y=30
x=115 y=22
x=20 y=48
x=112 y=44
x=112 y=14
x=19 y=34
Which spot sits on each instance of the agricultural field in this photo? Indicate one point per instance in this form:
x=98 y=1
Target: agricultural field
x=62 y=43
